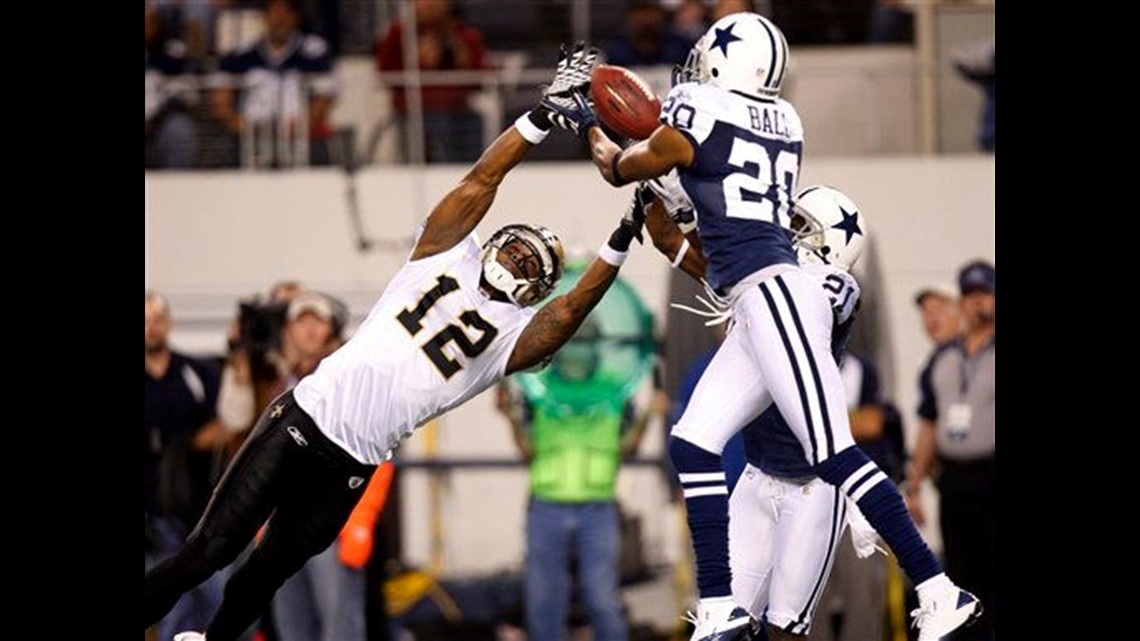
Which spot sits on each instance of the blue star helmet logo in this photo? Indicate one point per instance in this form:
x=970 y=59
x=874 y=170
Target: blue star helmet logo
x=723 y=38
x=849 y=224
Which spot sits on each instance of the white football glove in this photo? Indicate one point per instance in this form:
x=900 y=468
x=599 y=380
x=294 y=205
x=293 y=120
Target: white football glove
x=574 y=70
x=567 y=99
x=677 y=205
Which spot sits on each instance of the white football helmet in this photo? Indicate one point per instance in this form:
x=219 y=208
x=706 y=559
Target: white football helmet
x=827 y=227
x=543 y=247
x=741 y=52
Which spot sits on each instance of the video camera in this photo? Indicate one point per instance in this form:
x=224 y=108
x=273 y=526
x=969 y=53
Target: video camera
x=259 y=327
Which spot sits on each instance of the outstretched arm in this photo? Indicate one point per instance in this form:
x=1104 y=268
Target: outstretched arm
x=463 y=207
x=665 y=149
x=461 y=210
x=555 y=323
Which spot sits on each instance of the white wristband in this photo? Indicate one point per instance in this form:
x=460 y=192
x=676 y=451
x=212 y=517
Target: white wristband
x=680 y=254
x=527 y=130
x=611 y=255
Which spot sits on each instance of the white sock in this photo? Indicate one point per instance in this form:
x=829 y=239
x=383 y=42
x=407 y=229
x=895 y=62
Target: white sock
x=934 y=582
x=717 y=604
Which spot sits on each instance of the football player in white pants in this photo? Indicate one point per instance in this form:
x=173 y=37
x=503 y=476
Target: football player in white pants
x=784 y=522
x=737 y=146
x=455 y=319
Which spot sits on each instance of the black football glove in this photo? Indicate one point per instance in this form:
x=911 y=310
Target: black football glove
x=632 y=222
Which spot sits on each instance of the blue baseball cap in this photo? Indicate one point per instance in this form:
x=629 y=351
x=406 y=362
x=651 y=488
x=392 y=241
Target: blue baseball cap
x=976 y=276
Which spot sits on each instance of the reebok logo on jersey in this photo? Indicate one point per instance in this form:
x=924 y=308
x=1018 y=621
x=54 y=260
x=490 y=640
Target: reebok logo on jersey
x=355 y=482
x=276 y=411
x=296 y=434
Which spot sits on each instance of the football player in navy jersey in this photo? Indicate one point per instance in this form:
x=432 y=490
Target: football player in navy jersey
x=785 y=523
x=737 y=146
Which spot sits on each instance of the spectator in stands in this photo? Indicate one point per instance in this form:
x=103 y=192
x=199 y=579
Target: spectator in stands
x=180 y=434
x=891 y=21
x=170 y=135
x=958 y=437
x=690 y=19
x=726 y=7
x=193 y=22
x=453 y=132
x=287 y=88
x=574 y=437
x=939 y=307
x=976 y=64
x=824 y=22
x=324 y=19
x=648 y=39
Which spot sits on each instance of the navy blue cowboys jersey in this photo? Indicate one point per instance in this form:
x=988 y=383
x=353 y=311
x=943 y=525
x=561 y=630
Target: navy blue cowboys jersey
x=165 y=65
x=307 y=55
x=746 y=162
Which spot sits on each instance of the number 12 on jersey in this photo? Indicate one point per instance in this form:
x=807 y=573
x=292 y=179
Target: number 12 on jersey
x=412 y=320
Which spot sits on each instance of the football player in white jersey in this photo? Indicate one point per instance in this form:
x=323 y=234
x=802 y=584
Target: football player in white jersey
x=454 y=320
x=784 y=521
x=736 y=146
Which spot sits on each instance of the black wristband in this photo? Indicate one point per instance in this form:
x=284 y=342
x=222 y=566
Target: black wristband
x=540 y=118
x=621 y=238
x=618 y=181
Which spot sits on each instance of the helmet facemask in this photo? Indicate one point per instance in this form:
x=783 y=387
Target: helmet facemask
x=808 y=235
x=536 y=256
x=691 y=70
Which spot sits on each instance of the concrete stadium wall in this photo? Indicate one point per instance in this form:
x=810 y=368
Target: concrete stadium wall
x=211 y=238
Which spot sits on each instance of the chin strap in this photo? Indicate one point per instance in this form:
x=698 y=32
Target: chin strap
x=501 y=279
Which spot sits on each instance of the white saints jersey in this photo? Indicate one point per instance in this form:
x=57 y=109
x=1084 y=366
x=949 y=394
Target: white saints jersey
x=431 y=342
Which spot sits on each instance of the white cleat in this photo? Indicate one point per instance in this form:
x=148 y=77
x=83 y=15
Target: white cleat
x=943 y=608
x=719 y=619
x=190 y=636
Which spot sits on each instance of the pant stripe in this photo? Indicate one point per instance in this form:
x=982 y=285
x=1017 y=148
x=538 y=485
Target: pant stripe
x=811 y=364
x=838 y=513
x=795 y=371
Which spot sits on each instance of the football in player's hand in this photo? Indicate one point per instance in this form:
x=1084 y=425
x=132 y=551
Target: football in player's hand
x=624 y=102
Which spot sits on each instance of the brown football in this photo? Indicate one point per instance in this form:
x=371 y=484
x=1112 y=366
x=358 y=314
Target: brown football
x=624 y=102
